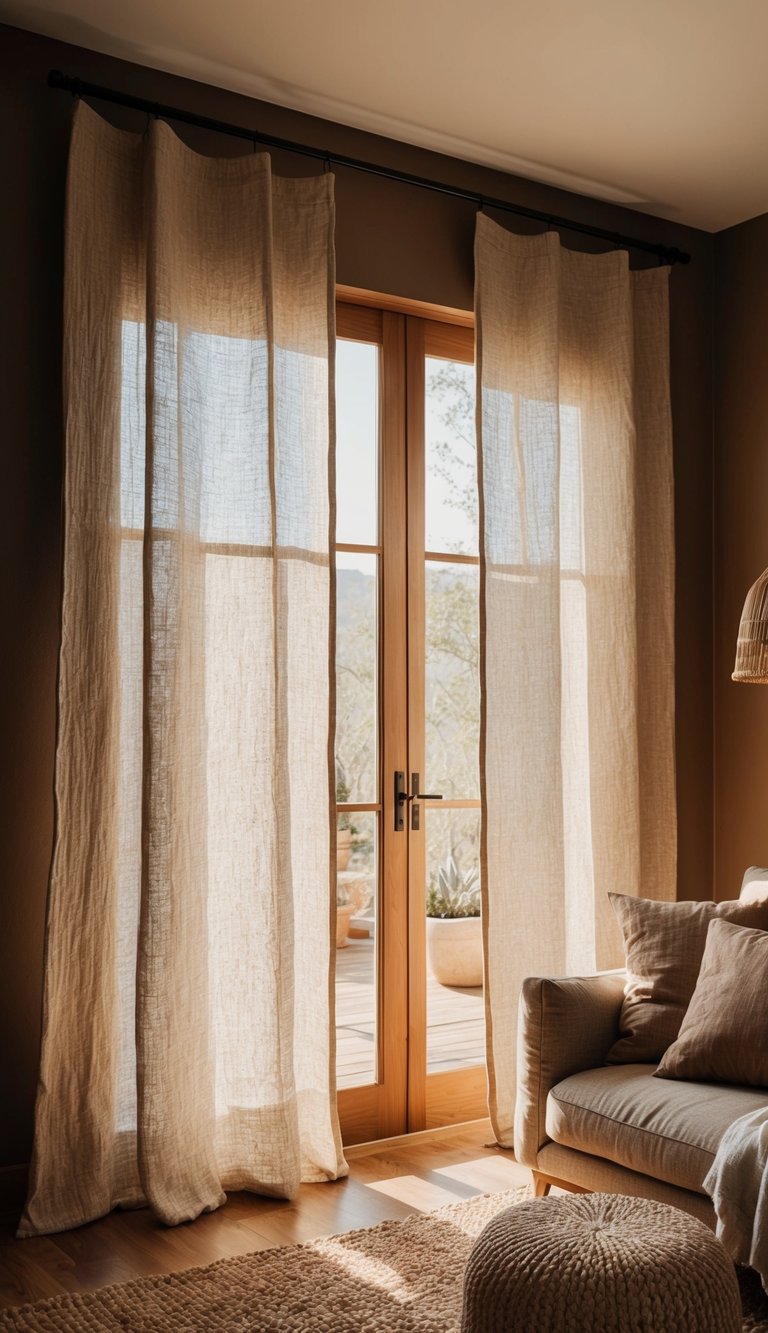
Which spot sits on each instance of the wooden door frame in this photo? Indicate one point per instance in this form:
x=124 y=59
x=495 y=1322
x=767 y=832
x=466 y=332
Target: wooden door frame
x=403 y=1097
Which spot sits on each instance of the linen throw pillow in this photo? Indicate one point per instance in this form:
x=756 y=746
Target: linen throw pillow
x=663 y=946
x=723 y=1035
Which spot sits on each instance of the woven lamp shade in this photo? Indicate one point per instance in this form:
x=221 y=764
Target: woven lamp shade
x=752 y=643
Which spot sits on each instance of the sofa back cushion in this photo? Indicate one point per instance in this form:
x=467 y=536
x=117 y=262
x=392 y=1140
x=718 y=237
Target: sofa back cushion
x=664 y=945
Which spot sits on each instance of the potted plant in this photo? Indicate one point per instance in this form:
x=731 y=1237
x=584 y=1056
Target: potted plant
x=454 y=930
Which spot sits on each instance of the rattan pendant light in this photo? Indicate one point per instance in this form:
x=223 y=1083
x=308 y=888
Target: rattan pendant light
x=752 y=644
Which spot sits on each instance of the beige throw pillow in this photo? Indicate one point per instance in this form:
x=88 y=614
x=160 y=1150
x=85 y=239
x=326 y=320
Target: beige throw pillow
x=663 y=946
x=723 y=1035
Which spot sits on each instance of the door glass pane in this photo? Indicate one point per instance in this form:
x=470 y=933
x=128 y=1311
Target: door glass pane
x=357 y=703
x=452 y=679
x=356 y=910
x=450 y=457
x=357 y=431
x=455 y=1010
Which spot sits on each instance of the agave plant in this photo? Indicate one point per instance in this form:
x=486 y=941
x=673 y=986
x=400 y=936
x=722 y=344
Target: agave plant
x=455 y=892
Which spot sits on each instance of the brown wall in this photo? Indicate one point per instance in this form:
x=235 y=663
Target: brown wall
x=741 y=543
x=390 y=238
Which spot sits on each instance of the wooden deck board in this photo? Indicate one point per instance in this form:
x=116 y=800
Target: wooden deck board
x=455 y=1019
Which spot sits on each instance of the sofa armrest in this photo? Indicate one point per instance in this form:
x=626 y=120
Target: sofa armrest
x=565 y=1025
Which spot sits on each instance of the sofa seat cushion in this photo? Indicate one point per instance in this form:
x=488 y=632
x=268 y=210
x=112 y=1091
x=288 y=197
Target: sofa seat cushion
x=669 y=1130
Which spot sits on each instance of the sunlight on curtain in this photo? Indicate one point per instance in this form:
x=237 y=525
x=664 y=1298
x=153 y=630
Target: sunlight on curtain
x=188 y=1041
x=577 y=748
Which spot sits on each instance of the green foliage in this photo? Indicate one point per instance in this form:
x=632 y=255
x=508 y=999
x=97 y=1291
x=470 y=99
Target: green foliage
x=455 y=892
x=356 y=686
x=456 y=456
x=451 y=685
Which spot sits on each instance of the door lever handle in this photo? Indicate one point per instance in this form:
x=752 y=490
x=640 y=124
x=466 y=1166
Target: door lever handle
x=402 y=797
x=417 y=795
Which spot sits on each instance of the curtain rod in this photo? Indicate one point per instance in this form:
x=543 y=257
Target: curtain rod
x=79 y=88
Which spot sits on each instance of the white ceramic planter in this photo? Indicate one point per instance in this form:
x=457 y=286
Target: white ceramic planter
x=455 y=949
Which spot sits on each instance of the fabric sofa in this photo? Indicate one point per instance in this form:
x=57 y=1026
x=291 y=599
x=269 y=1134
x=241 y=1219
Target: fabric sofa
x=585 y=1125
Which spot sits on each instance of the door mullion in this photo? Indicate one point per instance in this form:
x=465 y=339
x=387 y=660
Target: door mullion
x=393 y=936
x=417 y=980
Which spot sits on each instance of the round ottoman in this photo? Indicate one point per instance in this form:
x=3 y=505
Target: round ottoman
x=600 y=1263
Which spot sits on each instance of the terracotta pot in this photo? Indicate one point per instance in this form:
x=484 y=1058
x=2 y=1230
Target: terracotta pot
x=343 y=848
x=455 y=948
x=343 y=917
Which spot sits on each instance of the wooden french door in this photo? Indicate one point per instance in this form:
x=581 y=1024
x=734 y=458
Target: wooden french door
x=410 y=1047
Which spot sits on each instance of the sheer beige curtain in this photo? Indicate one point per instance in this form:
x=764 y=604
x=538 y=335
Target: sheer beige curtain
x=187 y=1043
x=577 y=567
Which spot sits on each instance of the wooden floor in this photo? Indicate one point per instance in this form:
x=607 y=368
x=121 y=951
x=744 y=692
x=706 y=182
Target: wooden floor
x=389 y=1181
x=455 y=1019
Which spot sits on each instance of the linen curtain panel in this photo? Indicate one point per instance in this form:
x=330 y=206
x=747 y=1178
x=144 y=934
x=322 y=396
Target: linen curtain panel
x=187 y=1045
x=577 y=633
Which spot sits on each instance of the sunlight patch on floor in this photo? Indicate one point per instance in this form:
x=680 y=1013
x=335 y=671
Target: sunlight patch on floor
x=488 y=1174
x=415 y=1192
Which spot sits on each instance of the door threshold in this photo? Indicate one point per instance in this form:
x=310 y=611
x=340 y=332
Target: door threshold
x=417 y=1136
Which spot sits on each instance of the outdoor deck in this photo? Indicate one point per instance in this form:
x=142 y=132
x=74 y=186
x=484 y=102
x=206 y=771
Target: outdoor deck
x=455 y=1019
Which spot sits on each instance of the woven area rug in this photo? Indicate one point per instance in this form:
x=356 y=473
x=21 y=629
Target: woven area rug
x=397 y=1277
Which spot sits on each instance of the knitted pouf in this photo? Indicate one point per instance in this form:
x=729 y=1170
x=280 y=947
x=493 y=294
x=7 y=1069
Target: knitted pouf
x=599 y=1263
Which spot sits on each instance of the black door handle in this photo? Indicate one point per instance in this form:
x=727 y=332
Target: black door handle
x=402 y=797
x=417 y=795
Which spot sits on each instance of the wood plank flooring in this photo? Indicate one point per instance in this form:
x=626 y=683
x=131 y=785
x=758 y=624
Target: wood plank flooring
x=392 y=1180
x=455 y=1019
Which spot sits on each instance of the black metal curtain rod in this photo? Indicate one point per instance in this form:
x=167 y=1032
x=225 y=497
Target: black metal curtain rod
x=79 y=88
